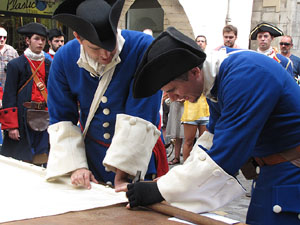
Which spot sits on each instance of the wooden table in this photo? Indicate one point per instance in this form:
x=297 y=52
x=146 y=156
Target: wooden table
x=111 y=215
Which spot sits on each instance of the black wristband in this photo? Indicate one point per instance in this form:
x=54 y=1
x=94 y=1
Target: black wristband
x=143 y=193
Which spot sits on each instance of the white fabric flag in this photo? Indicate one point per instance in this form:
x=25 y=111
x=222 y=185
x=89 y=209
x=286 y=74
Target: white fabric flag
x=25 y=194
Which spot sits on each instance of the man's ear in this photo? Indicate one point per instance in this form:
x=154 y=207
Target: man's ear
x=77 y=36
x=49 y=43
x=195 y=71
x=27 y=41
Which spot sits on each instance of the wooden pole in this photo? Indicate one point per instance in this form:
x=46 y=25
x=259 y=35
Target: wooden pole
x=183 y=214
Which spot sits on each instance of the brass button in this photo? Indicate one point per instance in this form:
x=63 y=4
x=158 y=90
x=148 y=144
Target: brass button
x=106 y=135
x=106 y=111
x=104 y=99
x=105 y=124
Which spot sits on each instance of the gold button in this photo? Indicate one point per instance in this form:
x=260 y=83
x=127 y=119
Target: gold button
x=106 y=124
x=106 y=135
x=106 y=111
x=104 y=99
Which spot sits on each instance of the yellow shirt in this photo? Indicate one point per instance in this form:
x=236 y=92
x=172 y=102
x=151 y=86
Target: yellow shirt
x=194 y=111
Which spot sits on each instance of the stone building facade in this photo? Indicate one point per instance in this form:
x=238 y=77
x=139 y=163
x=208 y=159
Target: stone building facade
x=283 y=13
x=174 y=15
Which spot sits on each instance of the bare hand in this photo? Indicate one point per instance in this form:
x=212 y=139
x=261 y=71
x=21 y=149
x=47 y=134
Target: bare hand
x=82 y=177
x=121 y=181
x=14 y=134
x=123 y=188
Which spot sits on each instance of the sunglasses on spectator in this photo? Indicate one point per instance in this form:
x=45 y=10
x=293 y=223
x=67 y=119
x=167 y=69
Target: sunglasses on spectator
x=4 y=37
x=285 y=43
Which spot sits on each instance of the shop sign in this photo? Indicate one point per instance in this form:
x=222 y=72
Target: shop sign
x=29 y=6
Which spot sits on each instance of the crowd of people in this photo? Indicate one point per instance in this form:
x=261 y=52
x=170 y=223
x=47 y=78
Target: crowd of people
x=91 y=109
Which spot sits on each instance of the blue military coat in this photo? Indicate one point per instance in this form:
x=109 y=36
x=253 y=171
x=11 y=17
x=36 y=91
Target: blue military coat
x=256 y=114
x=18 y=72
x=70 y=86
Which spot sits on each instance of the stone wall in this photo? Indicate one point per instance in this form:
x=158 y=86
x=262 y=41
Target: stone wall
x=174 y=15
x=283 y=13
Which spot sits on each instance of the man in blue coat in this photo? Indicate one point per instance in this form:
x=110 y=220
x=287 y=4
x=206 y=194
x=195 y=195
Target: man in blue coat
x=265 y=33
x=24 y=92
x=254 y=112
x=91 y=82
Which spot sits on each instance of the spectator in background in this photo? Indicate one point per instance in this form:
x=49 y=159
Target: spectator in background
x=286 y=44
x=7 y=53
x=56 y=39
x=195 y=117
x=201 y=41
x=230 y=33
x=265 y=33
x=174 y=129
x=25 y=90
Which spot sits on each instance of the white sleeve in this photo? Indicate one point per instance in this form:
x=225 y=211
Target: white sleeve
x=199 y=185
x=131 y=146
x=67 y=150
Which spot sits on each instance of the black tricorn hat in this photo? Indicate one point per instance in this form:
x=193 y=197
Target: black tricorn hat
x=33 y=28
x=94 y=20
x=265 y=27
x=170 y=55
x=55 y=33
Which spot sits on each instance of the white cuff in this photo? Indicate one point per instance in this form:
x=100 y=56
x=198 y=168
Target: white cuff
x=67 y=150
x=131 y=146
x=199 y=185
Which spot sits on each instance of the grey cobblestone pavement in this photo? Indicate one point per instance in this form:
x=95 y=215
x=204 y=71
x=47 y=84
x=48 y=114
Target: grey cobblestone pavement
x=237 y=209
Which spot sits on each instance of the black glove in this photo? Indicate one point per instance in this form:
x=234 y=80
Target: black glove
x=143 y=193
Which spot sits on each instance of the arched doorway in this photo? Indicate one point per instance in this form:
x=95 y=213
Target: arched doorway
x=145 y=14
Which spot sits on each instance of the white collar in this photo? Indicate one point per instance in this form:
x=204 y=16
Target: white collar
x=268 y=52
x=33 y=56
x=51 y=52
x=210 y=69
x=97 y=69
